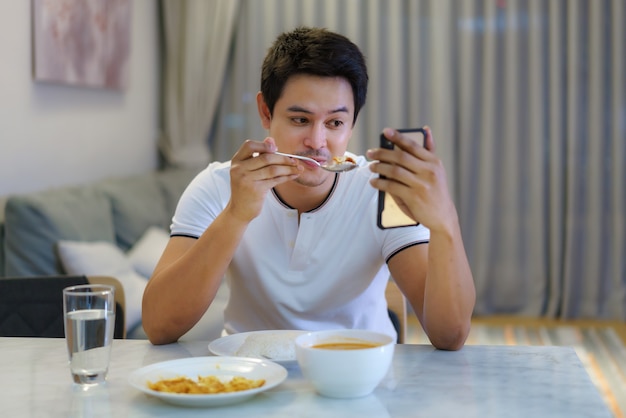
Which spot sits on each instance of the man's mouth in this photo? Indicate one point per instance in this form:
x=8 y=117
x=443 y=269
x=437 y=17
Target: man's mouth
x=310 y=164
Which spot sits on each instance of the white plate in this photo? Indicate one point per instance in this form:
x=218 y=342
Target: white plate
x=224 y=368
x=229 y=345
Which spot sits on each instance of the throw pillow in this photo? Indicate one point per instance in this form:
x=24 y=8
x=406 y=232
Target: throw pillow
x=100 y=258
x=146 y=252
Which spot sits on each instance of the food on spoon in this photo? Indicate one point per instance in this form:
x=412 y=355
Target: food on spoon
x=344 y=159
x=205 y=385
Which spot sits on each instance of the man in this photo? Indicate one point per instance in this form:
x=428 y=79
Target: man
x=300 y=244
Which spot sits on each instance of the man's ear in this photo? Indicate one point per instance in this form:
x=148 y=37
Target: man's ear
x=264 y=111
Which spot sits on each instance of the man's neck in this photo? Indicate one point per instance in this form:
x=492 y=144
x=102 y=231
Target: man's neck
x=304 y=198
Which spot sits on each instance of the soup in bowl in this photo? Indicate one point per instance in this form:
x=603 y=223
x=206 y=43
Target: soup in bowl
x=344 y=363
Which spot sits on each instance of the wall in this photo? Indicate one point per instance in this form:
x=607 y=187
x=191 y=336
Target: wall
x=55 y=135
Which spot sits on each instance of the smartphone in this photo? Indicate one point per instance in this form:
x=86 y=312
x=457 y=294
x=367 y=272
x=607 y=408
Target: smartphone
x=389 y=213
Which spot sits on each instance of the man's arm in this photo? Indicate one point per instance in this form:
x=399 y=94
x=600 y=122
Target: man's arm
x=190 y=271
x=436 y=278
x=437 y=282
x=186 y=279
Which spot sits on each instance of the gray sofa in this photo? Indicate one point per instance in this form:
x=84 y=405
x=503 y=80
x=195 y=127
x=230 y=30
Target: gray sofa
x=115 y=211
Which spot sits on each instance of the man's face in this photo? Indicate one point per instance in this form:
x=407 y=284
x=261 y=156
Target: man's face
x=313 y=117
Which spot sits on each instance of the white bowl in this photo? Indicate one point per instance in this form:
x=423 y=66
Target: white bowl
x=343 y=373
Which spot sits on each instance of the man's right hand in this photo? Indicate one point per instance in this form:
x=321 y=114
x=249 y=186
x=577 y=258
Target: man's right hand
x=255 y=170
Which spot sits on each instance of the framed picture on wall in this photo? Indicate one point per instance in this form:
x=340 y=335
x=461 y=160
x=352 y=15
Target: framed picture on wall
x=82 y=42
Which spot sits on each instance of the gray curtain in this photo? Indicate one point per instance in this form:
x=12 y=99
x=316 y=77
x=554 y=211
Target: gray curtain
x=196 y=41
x=527 y=101
x=541 y=155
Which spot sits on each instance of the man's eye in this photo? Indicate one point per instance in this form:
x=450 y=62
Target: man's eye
x=299 y=121
x=336 y=123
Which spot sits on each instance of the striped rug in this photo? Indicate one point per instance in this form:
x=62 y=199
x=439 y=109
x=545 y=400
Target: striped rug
x=600 y=349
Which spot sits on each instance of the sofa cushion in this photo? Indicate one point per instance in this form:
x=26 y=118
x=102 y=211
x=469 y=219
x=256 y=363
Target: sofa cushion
x=173 y=182
x=101 y=258
x=146 y=252
x=34 y=223
x=2 y=272
x=137 y=203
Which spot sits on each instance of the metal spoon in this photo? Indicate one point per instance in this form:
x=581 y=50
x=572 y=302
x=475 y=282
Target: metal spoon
x=334 y=167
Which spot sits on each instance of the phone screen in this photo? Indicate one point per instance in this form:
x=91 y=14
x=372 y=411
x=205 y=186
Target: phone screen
x=389 y=213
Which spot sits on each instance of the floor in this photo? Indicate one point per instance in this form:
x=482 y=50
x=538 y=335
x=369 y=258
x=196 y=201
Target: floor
x=415 y=333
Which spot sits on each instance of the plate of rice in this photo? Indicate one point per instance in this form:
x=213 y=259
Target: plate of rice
x=274 y=345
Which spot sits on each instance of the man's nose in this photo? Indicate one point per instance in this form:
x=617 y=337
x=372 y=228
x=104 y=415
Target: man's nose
x=316 y=138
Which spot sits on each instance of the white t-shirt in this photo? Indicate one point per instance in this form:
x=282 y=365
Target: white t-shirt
x=328 y=272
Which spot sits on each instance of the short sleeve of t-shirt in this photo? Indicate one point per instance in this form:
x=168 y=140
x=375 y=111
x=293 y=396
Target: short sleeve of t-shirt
x=397 y=239
x=202 y=201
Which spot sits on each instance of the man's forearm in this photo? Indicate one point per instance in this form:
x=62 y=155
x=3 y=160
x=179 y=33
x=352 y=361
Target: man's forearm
x=187 y=279
x=449 y=291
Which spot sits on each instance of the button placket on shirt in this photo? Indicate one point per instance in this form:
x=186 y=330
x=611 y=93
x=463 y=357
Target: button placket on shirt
x=305 y=239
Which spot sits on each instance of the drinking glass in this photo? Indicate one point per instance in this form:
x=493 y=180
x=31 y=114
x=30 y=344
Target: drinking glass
x=89 y=313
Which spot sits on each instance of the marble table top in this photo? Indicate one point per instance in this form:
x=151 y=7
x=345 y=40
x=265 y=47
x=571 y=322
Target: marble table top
x=476 y=381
